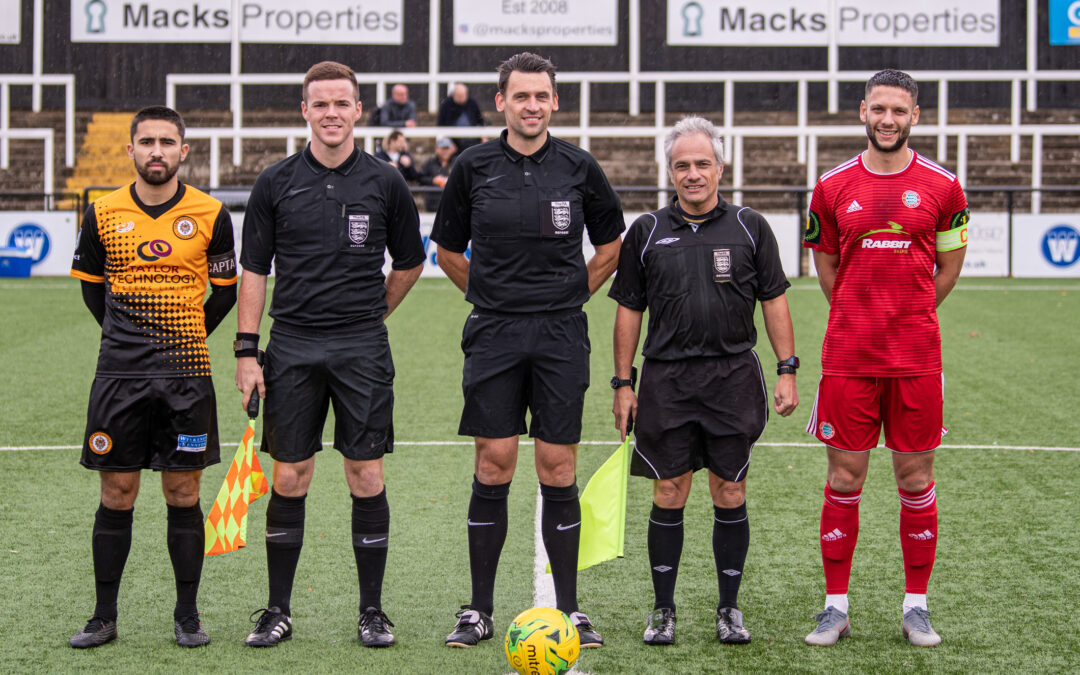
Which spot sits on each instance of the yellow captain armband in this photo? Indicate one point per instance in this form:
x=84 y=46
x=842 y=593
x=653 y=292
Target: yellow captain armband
x=950 y=240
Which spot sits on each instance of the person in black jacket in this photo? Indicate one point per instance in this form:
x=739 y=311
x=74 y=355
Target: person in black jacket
x=436 y=170
x=461 y=110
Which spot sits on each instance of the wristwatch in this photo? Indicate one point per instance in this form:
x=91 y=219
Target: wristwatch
x=787 y=366
x=616 y=382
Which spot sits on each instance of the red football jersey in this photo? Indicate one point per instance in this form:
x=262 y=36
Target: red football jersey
x=886 y=229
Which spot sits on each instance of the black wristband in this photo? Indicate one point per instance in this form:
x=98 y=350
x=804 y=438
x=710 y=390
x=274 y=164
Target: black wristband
x=246 y=344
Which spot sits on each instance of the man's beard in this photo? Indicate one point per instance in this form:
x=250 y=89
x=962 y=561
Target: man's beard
x=900 y=140
x=157 y=177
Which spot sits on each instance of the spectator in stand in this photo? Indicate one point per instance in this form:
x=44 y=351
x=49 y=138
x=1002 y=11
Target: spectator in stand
x=461 y=110
x=399 y=111
x=395 y=149
x=435 y=171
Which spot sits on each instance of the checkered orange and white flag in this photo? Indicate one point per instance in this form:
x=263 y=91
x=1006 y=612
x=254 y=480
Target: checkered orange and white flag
x=226 y=525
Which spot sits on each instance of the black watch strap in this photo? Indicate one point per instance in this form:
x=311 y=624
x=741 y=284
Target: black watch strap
x=787 y=366
x=617 y=383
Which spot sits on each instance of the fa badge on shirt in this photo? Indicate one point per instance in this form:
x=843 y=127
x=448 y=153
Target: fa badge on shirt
x=358 y=228
x=721 y=262
x=557 y=224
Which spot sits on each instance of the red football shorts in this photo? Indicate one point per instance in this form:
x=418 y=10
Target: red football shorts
x=849 y=412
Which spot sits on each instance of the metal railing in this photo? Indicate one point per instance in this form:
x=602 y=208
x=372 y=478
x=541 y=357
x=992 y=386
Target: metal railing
x=36 y=81
x=734 y=145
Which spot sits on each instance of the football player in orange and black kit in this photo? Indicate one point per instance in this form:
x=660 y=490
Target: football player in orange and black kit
x=144 y=255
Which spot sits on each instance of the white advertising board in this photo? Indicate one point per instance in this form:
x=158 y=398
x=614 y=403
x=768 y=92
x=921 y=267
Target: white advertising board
x=1046 y=245
x=11 y=29
x=857 y=22
x=988 y=246
x=536 y=22
x=50 y=236
x=268 y=21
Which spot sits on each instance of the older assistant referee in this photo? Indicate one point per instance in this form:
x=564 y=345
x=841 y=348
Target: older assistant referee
x=699 y=266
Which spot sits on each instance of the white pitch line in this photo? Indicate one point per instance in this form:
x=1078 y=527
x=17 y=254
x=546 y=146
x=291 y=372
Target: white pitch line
x=328 y=443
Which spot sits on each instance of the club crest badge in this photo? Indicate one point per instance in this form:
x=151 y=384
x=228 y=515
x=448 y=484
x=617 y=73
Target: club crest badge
x=911 y=199
x=100 y=443
x=126 y=226
x=358 y=228
x=721 y=264
x=184 y=227
x=560 y=215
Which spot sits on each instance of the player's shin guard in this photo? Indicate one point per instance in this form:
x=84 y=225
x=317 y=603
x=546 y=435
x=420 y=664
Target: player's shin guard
x=918 y=536
x=110 y=543
x=560 y=526
x=730 y=540
x=665 y=552
x=186 y=539
x=284 y=539
x=839 y=533
x=487 y=523
x=371 y=536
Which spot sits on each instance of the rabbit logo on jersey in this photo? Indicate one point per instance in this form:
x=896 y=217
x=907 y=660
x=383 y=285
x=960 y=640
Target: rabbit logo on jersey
x=869 y=240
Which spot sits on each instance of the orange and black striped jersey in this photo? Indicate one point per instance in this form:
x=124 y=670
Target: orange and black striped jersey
x=155 y=262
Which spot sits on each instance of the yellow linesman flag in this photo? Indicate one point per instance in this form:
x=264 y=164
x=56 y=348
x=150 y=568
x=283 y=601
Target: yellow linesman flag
x=603 y=510
x=226 y=526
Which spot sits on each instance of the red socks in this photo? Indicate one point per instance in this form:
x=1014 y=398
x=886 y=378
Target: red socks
x=918 y=536
x=839 y=532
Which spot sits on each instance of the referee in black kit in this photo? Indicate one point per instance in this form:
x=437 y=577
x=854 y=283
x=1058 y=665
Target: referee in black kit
x=325 y=217
x=525 y=200
x=699 y=266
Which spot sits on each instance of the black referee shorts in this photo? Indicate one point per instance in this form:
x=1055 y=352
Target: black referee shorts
x=538 y=362
x=160 y=423
x=304 y=374
x=701 y=412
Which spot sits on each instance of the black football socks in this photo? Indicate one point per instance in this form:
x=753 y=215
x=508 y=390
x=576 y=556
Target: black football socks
x=284 y=539
x=371 y=535
x=560 y=526
x=665 y=551
x=731 y=539
x=487 y=523
x=110 y=543
x=186 y=538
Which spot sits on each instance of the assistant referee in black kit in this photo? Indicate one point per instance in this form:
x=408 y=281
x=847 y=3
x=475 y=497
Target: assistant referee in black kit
x=525 y=200
x=700 y=266
x=325 y=217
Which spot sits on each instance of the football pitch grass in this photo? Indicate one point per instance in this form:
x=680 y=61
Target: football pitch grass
x=1005 y=589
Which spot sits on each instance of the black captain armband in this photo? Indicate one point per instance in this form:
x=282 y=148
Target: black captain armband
x=787 y=366
x=246 y=344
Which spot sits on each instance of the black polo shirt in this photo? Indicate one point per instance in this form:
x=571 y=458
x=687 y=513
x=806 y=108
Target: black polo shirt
x=699 y=280
x=526 y=217
x=326 y=231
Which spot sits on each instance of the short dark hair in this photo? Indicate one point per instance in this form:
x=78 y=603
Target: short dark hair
x=893 y=78
x=331 y=70
x=525 y=62
x=394 y=135
x=157 y=112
